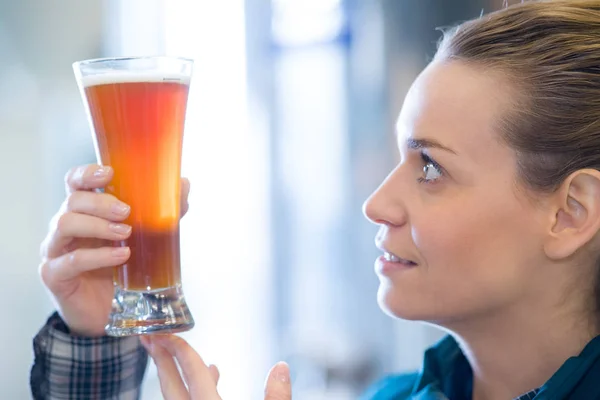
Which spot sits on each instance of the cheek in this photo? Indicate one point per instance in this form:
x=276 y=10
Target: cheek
x=475 y=229
x=474 y=256
x=441 y=236
x=450 y=237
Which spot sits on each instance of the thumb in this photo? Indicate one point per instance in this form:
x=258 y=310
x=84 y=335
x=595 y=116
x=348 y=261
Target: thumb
x=278 y=386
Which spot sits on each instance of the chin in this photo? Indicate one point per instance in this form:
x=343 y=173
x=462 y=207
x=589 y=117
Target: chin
x=396 y=305
x=410 y=306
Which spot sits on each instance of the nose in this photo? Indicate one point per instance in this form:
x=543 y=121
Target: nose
x=386 y=205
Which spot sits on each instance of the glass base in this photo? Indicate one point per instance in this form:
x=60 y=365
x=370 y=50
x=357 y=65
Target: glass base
x=159 y=311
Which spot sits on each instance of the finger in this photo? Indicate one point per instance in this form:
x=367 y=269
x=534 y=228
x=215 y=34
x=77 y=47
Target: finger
x=185 y=188
x=102 y=205
x=214 y=372
x=73 y=225
x=278 y=386
x=87 y=177
x=185 y=192
x=171 y=384
x=195 y=372
x=68 y=266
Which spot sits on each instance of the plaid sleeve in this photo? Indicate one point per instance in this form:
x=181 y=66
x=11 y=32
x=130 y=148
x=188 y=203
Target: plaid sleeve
x=71 y=367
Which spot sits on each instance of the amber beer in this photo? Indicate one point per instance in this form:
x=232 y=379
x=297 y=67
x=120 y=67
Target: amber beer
x=136 y=108
x=139 y=132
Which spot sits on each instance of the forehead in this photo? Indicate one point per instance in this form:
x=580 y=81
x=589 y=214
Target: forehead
x=457 y=105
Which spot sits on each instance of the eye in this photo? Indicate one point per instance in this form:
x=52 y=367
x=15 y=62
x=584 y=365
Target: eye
x=432 y=171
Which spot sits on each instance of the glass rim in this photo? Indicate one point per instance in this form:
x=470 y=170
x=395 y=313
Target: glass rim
x=101 y=60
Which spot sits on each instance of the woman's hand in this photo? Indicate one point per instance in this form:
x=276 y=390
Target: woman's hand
x=78 y=252
x=199 y=381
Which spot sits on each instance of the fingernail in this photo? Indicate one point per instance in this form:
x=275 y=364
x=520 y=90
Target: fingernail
x=120 y=251
x=120 y=208
x=281 y=372
x=102 y=172
x=120 y=229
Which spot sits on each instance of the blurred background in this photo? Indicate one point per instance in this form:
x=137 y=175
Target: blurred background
x=289 y=129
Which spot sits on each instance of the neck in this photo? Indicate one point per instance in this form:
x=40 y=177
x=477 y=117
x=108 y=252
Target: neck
x=515 y=351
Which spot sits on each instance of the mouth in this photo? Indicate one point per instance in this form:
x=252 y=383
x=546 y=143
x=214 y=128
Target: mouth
x=391 y=257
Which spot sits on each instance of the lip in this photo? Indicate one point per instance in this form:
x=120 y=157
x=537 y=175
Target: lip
x=385 y=249
x=386 y=267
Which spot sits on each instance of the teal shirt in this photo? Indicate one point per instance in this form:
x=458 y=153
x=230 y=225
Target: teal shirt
x=446 y=375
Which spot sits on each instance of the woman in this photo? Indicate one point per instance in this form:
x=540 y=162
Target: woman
x=489 y=228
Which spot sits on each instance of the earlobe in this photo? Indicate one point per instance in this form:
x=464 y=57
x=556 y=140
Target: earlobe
x=577 y=214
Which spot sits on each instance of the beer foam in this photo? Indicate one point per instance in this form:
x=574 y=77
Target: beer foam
x=133 y=77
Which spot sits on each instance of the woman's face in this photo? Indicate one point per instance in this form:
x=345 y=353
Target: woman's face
x=462 y=237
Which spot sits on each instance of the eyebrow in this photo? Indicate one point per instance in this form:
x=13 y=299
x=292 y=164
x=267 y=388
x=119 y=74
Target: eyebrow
x=415 y=144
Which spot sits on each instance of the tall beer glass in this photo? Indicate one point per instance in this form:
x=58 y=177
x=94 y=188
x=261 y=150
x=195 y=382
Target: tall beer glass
x=136 y=107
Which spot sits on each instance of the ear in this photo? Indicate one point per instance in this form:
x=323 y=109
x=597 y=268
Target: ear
x=576 y=219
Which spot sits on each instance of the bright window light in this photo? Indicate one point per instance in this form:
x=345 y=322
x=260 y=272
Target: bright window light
x=224 y=237
x=302 y=22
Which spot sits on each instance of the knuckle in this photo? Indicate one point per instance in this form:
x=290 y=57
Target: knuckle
x=74 y=177
x=97 y=205
x=104 y=201
x=70 y=174
x=63 y=223
x=44 y=247
x=177 y=341
x=86 y=202
x=74 y=258
x=180 y=344
x=71 y=201
x=43 y=271
x=53 y=222
x=109 y=198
